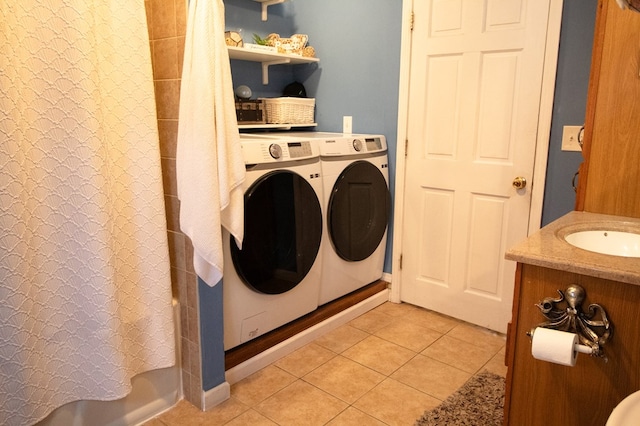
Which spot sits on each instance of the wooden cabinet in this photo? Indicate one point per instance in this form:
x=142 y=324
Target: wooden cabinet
x=610 y=175
x=542 y=393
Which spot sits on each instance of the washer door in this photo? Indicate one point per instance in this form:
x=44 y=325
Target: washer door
x=282 y=233
x=358 y=211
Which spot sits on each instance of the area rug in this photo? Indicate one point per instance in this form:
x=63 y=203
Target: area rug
x=479 y=402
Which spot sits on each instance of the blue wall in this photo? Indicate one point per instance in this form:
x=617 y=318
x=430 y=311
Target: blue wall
x=570 y=99
x=245 y=15
x=212 y=334
x=358 y=44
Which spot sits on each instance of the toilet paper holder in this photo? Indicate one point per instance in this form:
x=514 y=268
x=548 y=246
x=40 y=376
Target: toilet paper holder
x=592 y=327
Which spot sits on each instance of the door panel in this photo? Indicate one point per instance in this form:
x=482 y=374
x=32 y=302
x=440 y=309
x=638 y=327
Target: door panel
x=475 y=86
x=283 y=229
x=358 y=211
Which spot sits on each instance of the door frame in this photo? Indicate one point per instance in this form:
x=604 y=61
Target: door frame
x=542 y=139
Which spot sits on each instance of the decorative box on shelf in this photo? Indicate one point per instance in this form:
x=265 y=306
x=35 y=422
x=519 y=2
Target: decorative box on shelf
x=289 y=110
x=250 y=111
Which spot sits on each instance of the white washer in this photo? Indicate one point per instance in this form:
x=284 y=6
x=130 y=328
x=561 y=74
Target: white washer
x=357 y=205
x=275 y=277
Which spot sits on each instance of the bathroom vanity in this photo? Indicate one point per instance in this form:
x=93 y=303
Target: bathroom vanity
x=540 y=392
x=608 y=198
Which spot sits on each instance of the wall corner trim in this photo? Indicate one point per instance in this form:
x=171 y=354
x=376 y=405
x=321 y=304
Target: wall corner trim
x=215 y=396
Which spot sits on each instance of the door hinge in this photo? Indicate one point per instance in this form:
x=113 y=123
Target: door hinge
x=406 y=147
x=413 y=16
x=400 y=261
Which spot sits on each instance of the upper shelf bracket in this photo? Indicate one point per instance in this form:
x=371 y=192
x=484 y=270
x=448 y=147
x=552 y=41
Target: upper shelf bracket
x=266 y=4
x=265 y=68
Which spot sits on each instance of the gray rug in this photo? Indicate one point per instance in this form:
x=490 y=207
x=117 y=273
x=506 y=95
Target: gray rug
x=479 y=402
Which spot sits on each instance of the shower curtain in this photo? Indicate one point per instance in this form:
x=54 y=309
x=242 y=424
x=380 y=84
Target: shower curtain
x=85 y=292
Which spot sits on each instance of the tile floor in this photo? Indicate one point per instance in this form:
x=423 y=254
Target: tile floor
x=385 y=367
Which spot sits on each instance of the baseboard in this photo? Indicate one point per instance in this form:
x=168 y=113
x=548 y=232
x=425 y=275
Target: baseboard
x=215 y=396
x=263 y=359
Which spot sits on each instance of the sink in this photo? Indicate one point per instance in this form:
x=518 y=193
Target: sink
x=616 y=243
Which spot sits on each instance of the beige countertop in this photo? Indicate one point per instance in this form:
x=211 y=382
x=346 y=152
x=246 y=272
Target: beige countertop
x=547 y=248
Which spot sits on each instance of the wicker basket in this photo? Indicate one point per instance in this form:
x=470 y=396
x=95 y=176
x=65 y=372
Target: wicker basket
x=289 y=110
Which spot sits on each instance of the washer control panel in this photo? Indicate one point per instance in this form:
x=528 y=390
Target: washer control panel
x=263 y=150
x=300 y=149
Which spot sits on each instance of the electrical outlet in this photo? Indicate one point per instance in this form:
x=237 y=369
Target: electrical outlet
x=570 y=138
x=347 y=124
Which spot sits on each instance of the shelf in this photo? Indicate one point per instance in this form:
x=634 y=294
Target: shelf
x=274 y=126
x=263 y=56
x=266 y=4
x=267 y=59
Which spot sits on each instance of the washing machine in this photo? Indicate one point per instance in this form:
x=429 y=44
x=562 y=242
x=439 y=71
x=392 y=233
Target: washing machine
x=357 y=205
x=275 y=277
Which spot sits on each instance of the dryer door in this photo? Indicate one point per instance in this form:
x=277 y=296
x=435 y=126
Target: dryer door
x=282 y=233
x=358 y=211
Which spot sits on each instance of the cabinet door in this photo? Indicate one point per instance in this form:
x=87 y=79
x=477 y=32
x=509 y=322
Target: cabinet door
x=543 y=393
x=610 y=176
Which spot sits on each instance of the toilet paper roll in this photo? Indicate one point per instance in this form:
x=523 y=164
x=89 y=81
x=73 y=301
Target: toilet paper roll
x=554 y=346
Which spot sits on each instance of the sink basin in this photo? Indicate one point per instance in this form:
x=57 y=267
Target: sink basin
x=616 y=243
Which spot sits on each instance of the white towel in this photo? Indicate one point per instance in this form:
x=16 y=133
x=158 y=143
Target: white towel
x=209 y=164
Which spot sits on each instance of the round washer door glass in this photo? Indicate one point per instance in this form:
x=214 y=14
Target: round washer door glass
x=358 y=211
x=282 y=233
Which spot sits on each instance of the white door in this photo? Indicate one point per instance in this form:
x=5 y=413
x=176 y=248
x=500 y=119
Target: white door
x=474 y=101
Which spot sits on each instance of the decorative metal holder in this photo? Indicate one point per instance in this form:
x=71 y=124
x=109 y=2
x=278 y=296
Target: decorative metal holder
x=593 y=327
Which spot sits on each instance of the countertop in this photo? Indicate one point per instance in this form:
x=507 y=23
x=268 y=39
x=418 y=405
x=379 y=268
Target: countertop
x=548 y=249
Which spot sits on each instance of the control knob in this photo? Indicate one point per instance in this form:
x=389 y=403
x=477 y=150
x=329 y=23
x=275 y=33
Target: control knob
x=275 y=150
x=357 y=145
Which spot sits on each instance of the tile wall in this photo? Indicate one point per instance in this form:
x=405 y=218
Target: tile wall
x=166 y=21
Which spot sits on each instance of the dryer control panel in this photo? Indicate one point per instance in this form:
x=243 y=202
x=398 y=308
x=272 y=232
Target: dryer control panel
x=352 y=145
x=262 y=151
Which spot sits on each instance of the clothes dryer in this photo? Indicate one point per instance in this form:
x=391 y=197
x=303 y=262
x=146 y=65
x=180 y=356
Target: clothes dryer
x=357 y=205
x=275 y=277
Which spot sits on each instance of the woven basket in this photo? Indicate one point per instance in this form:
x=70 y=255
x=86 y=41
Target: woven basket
x=289 y=110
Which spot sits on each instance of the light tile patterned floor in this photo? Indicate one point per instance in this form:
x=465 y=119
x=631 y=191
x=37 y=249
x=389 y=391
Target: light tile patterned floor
x=385 y=367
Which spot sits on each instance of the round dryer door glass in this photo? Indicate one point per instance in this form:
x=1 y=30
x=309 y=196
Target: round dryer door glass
x=358 y=211
x=282 y=233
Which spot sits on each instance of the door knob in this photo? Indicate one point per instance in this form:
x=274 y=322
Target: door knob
x=519 y=182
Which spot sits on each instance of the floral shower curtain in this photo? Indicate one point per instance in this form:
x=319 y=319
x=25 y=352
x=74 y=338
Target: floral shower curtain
x=85 y=293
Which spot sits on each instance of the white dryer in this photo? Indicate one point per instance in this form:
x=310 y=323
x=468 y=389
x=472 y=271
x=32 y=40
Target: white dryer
x=275 y=277
x=357 y=205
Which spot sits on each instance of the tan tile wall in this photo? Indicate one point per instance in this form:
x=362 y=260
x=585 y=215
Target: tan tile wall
x=166 y=21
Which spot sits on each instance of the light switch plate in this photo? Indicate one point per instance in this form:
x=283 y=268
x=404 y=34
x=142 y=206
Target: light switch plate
x=347 y=124
x=570 y=138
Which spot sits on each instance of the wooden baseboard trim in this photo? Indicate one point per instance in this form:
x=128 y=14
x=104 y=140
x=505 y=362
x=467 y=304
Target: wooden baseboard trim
x=241 y=353
x=282 y=349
